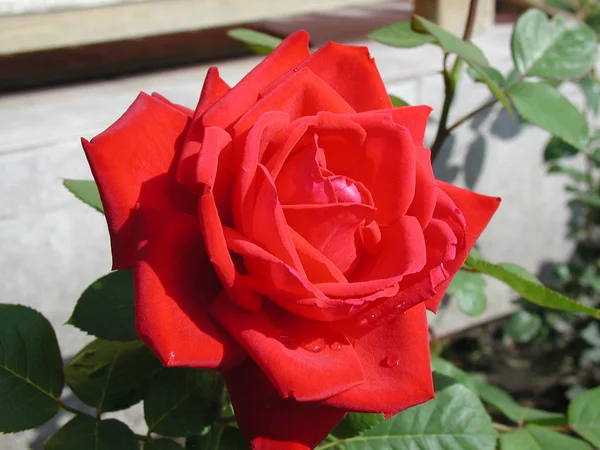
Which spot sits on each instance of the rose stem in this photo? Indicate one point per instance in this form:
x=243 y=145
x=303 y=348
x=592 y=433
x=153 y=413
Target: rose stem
x=450 y=81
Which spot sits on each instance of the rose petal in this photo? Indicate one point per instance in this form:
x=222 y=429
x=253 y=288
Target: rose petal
x=351 y=72
x=301 y=180
x=269 y=422
x=425 y=197
x=395 y=360
x=175 y=283
x=332 y=229
x=400 y=252
x=318 y=268
x=245 y=94
x=184 y=109
x=213 y=89
x=477 y=210
x=269 y=275
x=236 y=101
x=216 y=247
x=132 y=163
x=264 y=223
x=303 y=359
x=301 y=94
x=414 y=118
x=384 y=163
x=331 y=129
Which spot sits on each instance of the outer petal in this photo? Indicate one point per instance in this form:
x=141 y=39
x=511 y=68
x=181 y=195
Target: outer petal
x=184 y=109
x=291 y=52
x=270 y=423
x=175 y=283
x=477 y=210
x=301 y=358
x=233 y=103
x=412 y=117
x=425 y=188
x=352 y=73
x=132 y=163
x=395 y=360
x=213 y=89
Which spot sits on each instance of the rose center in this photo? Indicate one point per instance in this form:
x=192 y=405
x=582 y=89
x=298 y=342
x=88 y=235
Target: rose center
x=345 y=190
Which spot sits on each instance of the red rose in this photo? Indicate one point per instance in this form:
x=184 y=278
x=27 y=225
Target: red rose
x=290 y=233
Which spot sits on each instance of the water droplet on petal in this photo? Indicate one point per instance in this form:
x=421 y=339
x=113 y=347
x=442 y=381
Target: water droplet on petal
x=296 y=69
x=372 y=316
x=172 y=355
x=315 y=346
x=335 y=346
x=392 y=361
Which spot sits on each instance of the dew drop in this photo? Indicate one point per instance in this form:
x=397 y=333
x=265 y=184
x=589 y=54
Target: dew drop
x=372 y=316
x=315 y=346
x=392 y=361
x=172 y=354
x=335 y=346
x=296 y=69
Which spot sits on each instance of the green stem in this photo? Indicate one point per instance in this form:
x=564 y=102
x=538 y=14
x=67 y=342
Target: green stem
x=501 y=427
x=472 y=114
x=71 y=409
x=450 y=82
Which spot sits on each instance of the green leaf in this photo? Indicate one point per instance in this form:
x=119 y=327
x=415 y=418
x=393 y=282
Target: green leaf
x=455 y=418
x=577 y=175
x=535 y=293
x=86 y=433
x=494 y=74
x=588 y=200
x=449 y=42
x=356 y=423
x=537 y=438
x=448 y=369
x=550 y=49
x=520 y=271
x=584 y=415
x=489 y=76
x=86 y=191
x=106 y=309
x=110 y=375
x=512 y=79
x=543 y=106
x=564 y=5
x=162 y=444
x=179 y=402
x=397 y=101
x=469 y=290
x=504 y=403
x=218 y=438
x=401 y=35
x=557 y=148
x=591 y=90
x=31 y=376
x=523 y=326
x=258 y=42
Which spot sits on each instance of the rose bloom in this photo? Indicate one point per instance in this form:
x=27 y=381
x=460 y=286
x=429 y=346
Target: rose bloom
x=290 y=233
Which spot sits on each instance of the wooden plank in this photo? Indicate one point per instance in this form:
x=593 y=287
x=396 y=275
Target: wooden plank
x=107 y=59
x=38 y=32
